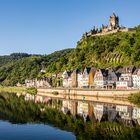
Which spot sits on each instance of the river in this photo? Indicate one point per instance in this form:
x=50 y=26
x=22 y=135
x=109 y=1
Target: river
x=10 y=131
x=46 y=118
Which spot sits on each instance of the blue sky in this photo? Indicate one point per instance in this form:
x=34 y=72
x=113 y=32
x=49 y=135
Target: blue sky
x=45 y=26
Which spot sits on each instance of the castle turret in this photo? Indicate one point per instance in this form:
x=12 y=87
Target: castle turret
x=114 y=22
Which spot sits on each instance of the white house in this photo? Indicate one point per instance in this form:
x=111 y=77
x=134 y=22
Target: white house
x=80 y=80
x=86 y=76
x=125 y=78
x=121 y=85
x=30 y=83
x=136 y=78
x=67 y=80
x=100 y=78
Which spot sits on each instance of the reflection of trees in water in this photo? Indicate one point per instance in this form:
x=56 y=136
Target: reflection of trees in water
x=17 y=110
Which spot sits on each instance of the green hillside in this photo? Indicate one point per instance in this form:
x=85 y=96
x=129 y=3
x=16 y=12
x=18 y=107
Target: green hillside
x=115 y=50
x=17 y=70
x=12 y=58
x=118 y=49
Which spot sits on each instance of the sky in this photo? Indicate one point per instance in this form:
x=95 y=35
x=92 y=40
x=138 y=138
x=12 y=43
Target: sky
x=45 y=26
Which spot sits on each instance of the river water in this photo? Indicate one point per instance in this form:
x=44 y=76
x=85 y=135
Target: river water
x=10 y=131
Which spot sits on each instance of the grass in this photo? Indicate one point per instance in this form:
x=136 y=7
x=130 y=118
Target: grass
x=12 y=89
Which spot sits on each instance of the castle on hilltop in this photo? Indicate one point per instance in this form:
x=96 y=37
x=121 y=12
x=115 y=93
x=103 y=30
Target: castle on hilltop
x=113 y=27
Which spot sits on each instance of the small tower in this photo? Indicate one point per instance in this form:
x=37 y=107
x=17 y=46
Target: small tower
x=114 y=22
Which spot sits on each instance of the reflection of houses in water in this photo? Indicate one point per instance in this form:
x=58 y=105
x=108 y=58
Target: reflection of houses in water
x=104 y=111
x=69 y=106
x=93 y=110
x=65 y=106
x=39 y=99
x=136 y=114
x=42 y=99
x=124 y=112
x=82 y=109
x=99 y=111
x=29 y=97
x=111 y=113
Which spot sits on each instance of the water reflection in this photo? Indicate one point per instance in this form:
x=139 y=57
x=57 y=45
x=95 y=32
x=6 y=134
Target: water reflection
x=10 y=131
x=95 y=111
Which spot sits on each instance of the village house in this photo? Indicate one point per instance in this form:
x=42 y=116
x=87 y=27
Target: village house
x=74 y=78
x=30 y=83
x=91 y=76
x=86 y=77
x=136 y=78
x=125 y=78
x=100 y=78
x=80 y=80
x=67 y=81
x=40 y=82
x=111 y=77
x=44 y=82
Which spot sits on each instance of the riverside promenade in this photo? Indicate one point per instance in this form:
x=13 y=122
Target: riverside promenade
x=107 y=96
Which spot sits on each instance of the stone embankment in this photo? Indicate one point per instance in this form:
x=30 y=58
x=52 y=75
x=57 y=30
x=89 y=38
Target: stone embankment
x=108 y=96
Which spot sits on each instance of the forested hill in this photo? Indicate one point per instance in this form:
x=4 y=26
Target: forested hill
x=19 y=66
x=115 y=50
x=12 y=58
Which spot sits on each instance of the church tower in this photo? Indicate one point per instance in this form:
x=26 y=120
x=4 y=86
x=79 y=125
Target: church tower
x=114 y=22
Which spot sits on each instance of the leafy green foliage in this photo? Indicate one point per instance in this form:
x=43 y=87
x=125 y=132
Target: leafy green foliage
x=12 y=72
x=135 y=98
x=55 y=93
x=32 y=91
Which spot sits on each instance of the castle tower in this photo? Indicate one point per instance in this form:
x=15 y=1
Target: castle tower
x=114 y=21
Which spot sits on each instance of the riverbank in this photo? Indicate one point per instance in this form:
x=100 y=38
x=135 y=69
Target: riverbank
x=88 y=92
x=12 y=89
x=106 y=96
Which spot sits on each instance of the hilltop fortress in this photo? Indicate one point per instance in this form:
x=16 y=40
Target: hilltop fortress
x=109 y=29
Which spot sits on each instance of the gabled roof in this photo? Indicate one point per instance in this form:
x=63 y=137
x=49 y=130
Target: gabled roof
x=128 y=69
x=67 y=72
x=119 y=72
x=137 y=72
x=110 y=70
x=104 y=72
x=76 y=71
x=87 y=69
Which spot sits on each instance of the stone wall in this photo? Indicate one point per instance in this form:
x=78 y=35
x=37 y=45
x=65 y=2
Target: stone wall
x=107 y=96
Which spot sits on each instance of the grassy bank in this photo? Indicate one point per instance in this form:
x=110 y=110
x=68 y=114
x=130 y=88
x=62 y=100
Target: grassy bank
x=135 y=99
x=12 y=89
